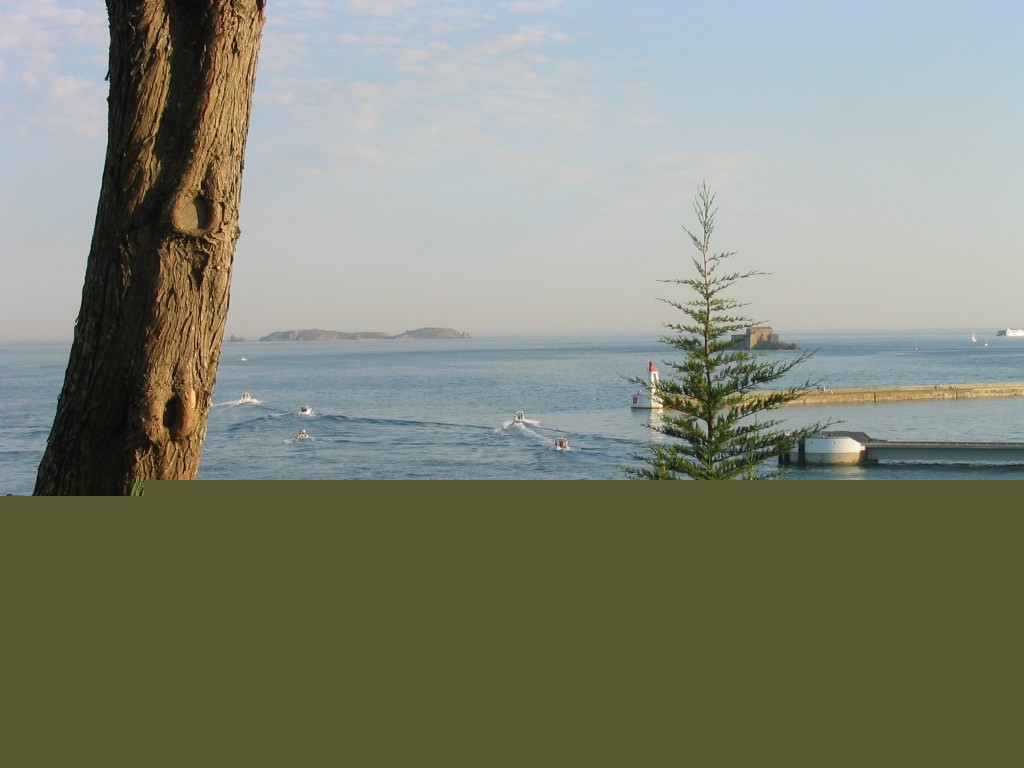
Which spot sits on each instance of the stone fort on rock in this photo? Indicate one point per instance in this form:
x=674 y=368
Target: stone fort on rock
x=760 y=337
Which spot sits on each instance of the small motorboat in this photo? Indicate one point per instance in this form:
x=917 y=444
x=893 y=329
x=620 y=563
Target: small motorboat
x=519 y=418
x=561 y=444
x=303 y=435
x=245 y=398
x=243 y=359
x=306 y=410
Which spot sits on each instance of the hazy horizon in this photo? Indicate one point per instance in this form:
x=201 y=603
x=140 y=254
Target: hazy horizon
x=528 y=167
x=787 y=334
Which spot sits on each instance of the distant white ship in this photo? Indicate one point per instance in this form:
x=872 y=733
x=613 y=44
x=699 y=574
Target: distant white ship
x=1011 y=332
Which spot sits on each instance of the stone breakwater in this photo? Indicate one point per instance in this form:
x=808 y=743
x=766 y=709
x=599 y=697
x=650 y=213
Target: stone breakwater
x=824 y=396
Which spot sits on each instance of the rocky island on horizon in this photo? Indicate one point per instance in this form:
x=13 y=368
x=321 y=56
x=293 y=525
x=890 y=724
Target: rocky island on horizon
x=761 y=338
x=315 y=334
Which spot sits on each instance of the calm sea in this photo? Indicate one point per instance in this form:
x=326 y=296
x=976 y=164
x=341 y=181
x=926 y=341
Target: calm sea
x=442 y=409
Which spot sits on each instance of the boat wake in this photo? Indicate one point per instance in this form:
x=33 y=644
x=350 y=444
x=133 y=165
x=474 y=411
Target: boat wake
x=302 y=437
x=527 y=427
x=250 y=400
x=519 y=420
x=521 y=423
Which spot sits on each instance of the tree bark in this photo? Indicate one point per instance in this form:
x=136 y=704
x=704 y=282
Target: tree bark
x=141 y=373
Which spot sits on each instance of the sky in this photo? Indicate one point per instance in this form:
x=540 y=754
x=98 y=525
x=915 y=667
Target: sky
x=529 y=166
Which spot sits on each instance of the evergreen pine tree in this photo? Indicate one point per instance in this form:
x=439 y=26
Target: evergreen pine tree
x=714 y=400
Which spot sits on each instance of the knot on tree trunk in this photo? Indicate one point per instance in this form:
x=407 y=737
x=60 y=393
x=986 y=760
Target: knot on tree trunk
x=195 y=214
x=171 y=415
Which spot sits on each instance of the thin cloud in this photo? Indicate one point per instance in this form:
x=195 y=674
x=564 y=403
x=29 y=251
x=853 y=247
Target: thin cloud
x=300 y=13
x=76 y=106
x=54 y=59
x=533 y=6
x=370 y=40
x=414 y=79
x=381 y=7
x=524 y=37
x=43 y=30
x=415 y=55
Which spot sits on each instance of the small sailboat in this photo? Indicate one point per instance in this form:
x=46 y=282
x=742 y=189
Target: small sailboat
x=974 y=337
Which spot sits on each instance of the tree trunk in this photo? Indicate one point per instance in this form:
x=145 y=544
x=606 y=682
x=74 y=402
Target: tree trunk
x=147 y=342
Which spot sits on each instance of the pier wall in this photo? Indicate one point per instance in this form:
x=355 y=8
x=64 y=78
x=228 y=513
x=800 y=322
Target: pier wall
x=917 y=392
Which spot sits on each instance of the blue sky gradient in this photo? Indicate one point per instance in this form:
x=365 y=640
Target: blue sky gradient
x=528 y=166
